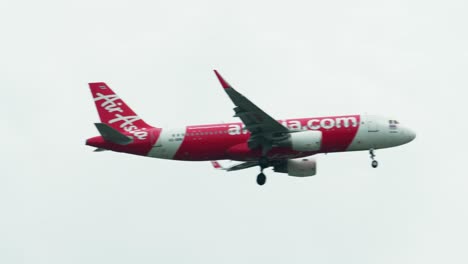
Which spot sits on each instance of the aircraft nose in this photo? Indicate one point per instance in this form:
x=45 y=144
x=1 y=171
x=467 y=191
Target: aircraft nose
x=410 y=134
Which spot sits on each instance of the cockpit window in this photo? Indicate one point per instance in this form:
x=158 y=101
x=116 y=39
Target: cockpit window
x=392 y=124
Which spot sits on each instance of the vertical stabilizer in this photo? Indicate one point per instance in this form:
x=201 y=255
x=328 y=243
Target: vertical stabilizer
x=113 y=111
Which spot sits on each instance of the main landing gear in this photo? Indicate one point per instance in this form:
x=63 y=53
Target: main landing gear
x=261 y=178
x=374 y=163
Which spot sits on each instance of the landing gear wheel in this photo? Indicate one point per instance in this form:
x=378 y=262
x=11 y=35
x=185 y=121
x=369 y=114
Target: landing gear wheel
x=372 y=156
x=261 y=179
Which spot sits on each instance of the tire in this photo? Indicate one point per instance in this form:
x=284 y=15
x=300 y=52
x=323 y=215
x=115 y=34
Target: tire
x=261 y=179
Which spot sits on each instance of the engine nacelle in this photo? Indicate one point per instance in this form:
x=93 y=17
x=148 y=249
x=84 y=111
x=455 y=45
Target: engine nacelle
x=298 y=167
x=309 y=140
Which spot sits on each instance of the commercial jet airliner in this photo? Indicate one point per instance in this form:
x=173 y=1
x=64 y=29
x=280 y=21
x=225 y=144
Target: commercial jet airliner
x=259 y=140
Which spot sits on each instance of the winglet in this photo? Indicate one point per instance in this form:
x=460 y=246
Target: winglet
x=216 y=165
x=222 y=81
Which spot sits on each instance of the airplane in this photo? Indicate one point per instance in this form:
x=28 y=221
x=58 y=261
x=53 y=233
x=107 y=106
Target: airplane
x=259 y=140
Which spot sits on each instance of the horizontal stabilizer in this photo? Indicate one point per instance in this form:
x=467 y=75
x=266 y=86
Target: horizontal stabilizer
x=111 y=135
x=99 y=150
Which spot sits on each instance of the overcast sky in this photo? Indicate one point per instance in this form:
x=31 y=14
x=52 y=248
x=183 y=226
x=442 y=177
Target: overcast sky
x=62 y=203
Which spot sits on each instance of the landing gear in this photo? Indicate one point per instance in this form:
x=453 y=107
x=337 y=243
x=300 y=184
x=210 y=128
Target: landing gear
x=261 y=179
x=263 y=163
x=374 y=163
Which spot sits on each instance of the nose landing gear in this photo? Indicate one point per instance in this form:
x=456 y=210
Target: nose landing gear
x=374 y=163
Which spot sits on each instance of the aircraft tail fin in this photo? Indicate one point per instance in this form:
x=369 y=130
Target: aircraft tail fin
x=113 y=111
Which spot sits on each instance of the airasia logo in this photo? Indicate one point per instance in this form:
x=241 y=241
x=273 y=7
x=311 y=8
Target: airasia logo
x=111 y=106
x=311 y=124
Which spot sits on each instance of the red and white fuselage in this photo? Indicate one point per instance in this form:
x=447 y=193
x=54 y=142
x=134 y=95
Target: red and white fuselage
x=229 y=140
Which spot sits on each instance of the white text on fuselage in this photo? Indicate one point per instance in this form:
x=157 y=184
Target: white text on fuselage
x=127 y=125
x=311 y=124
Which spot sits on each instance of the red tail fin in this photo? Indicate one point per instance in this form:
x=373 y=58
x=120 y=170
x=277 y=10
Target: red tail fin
x=114 y=111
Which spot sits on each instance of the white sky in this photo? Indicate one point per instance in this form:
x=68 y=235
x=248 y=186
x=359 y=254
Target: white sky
x=62 y=203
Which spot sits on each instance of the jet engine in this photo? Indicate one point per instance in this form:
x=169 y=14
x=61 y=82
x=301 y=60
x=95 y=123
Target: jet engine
x=309 y=140
x=298 y=167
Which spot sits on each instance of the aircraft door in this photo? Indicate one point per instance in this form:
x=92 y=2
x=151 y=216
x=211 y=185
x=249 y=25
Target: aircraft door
x=158 y=141
x=372 y=126
x=156 y=136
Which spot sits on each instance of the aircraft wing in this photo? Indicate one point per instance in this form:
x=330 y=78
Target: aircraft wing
x=239 y=166
x=263 y=128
